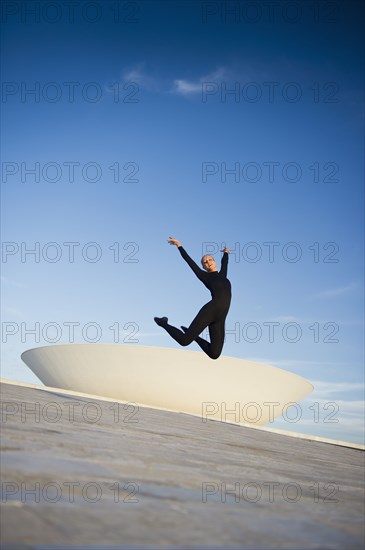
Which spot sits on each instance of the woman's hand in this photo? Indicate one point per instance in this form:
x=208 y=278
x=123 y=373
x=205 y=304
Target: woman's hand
x=171 y=240
x=226 y=250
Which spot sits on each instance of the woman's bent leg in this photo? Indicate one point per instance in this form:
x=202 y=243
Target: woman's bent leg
x=199 y=323
x=204 y=319
x=215 y=346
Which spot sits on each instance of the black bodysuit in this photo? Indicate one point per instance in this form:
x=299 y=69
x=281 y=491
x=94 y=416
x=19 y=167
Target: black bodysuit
x=212 y=315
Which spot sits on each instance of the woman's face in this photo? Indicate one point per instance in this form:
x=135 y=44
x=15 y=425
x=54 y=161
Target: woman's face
x=208 y=262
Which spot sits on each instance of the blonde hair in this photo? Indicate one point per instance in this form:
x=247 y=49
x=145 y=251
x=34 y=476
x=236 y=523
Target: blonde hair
x=205 y=256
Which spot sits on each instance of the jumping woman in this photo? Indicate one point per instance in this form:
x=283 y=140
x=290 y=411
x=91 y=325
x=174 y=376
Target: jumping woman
x=214 y=313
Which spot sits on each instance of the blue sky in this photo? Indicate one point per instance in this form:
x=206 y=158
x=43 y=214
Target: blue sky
x=278 y=161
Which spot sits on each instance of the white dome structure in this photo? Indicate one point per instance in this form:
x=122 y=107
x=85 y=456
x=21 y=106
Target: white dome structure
x=227 y=389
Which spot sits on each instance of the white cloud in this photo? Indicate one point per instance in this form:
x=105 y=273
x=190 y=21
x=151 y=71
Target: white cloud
x=134 y=74
x=185 y=87
x=292 y=363
x=333 y=292
x=148 y=334
x=345 y=407
x=341 y=419
x=285 y=319
x=326 y=425
x=11 y=282
x=191 y=87
x=14 y=311
x=304 y=320
x=178 y=86
x=326 y=389
x=138 y=75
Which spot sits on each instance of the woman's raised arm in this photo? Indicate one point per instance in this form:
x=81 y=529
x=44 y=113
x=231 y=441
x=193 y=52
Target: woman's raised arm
x=200 y=273
x=224 y=261
x=171 y=240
